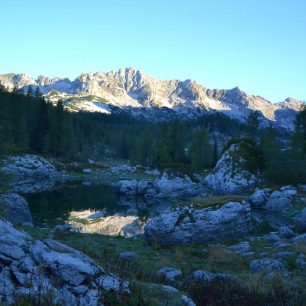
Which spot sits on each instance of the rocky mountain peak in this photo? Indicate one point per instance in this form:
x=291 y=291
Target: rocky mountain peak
x=291 y=103
x=128 y=88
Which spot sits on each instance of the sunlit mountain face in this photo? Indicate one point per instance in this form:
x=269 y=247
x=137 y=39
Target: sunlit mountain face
x=144 y=96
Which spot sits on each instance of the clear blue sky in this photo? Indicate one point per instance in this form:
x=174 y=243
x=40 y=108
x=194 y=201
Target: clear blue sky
x=259 y=45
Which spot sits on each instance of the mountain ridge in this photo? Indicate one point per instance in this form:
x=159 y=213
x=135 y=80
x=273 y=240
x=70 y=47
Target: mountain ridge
x=140 y=94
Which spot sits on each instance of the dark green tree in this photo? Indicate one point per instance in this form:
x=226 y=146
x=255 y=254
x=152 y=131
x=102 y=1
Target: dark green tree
x=40 y=127
x=201 y=150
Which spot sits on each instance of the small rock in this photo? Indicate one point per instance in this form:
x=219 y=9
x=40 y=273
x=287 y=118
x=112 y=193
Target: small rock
x=112 y=283
x=187 y=301
x=240 y=248
x=169 y=273
x=300 y=238
x=301 y=261
x=248 y=254
x=153 y=172
x=271 y=237
x=282 y=255
x=285 y=232
x=169 y=289
x=128 y=255
x=208 y=277
x=266 y=265
x=280 y=245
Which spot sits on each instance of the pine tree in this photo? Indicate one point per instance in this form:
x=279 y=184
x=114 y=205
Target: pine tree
x=40 y=128
x=30 y=91
x=200 y=152
x=37 y=92
x=6 y=134
x=2 y=88
x=299 y=137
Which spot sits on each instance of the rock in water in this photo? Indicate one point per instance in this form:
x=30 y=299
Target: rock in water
x=164 y=187
x=231 y=176
x=50 y=270
x=173 y=187
x=127 y=186
x=16 y=209
x=187 y=225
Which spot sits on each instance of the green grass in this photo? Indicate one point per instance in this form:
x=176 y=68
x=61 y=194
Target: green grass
x=36 y=232
x=145 y=283
x=213 y=201
x=105 y=251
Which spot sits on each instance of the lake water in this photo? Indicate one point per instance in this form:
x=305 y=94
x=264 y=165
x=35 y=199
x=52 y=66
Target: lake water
x=57 y=205
x=96 y=208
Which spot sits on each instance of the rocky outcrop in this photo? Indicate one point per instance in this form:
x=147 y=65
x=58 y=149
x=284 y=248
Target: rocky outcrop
x=31 y=173
x=186 y=225
x=162 y=188
x=50 y=270
x=28 y=165
x=16 y=209
x=231 y=176
x=269 y=200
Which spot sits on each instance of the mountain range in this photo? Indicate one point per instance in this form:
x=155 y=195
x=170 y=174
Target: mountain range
x=144 y=96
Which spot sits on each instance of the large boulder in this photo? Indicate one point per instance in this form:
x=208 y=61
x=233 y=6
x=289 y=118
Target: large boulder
x=269 y=200
x=186 y=225
x=16 y=209
x=28 y=165
x=231 y=174
x=50 y=270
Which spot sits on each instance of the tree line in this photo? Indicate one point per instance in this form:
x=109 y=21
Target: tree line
x=29 y=124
